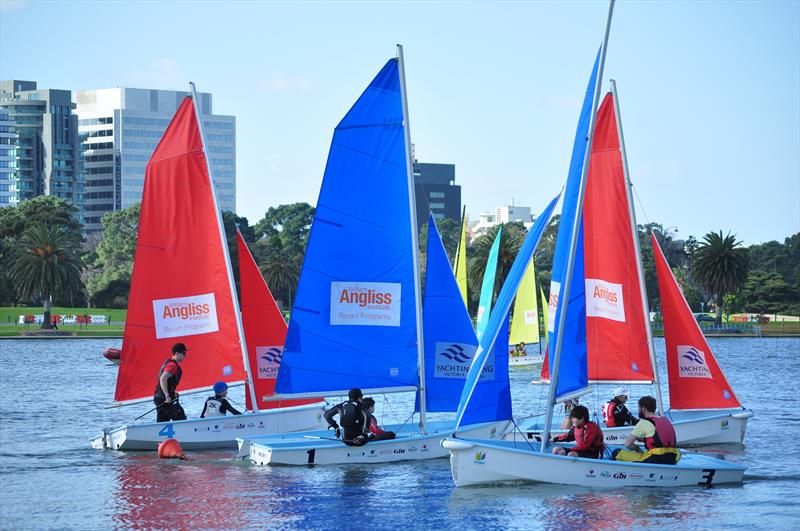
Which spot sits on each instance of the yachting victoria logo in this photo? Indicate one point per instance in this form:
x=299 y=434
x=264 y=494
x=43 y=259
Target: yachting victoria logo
x=692 y=363
x=269 y=360
x=185 y=316
x=604 y=299
x=453 y=360
x=365 y=303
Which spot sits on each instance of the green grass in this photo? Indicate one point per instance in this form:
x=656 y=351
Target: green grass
x=11 y=314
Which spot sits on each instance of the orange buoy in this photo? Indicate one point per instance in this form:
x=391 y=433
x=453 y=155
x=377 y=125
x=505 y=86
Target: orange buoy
x=170 y=449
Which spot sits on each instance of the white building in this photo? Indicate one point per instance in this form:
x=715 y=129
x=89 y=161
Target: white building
x=504 y=214
x=119 y=129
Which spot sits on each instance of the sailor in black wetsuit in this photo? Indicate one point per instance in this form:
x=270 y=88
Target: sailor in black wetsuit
x=165 y=396
x=218 y=405
x=353 y=418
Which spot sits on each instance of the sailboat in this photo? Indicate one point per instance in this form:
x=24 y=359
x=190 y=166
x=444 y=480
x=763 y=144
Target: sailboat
x=475 y=461
x=619 y=338
x=487 y=286
x=357 y=319
x=525 y=321
x=182 y=290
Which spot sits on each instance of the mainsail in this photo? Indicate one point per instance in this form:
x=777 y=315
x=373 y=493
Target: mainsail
x=525 y=320
x=695 y=379
x=460 y=266
x=354 y=320
x=487 y=287
x=180 y=286
x=264 y=331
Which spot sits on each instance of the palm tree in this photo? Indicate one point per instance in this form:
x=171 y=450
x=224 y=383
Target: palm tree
x=510 y=241
x=281 y=275
x=720 y=265
x=46 y=265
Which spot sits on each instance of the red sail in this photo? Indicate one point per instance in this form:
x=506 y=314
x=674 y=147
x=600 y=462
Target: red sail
x=180 y=289
x=695 y=379
x=616 y=336
x=264 y=331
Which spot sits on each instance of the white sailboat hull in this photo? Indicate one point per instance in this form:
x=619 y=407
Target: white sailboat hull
x=692 y=428
x=212 y=432
x=474 y=462
x=320 y=448
x=523 y=361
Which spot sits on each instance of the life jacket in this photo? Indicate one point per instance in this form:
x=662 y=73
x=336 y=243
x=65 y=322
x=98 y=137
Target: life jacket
x=350 y=414
x=608 y=414
x=664 y=436
x=172 y=382
x=212 y=408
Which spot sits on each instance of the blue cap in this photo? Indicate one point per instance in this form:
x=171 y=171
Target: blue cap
x=220 y=387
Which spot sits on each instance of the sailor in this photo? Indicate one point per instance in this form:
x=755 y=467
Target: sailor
x=615 y=413
x=375 y=431
x=352 y=417
x=519 y=350
x=218 y=405
x=169 y=376
x=587 y=435
x=658 y=436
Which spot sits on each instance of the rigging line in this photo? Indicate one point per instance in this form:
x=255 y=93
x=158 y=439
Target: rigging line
x=641 y=206
x=524 y=435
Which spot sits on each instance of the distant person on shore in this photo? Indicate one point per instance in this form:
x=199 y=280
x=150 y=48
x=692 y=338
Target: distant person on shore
x=587 y=435
x=352 y=417
x=375 y=431
x=218 y=405
x=658 y=436
x=615 y=413
x=518 y=350
x=169 y=376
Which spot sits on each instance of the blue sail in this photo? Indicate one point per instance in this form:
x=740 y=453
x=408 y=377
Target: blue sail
x=487 y=287
x=450 y=341
x=354 y=317
x=573 y=374
x=471 y=404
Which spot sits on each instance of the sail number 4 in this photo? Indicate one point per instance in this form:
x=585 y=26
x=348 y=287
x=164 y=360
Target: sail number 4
x=167 y=431
x=708 y=476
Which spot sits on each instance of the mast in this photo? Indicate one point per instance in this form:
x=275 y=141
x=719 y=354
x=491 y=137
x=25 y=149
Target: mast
x=223 y=240
x=414 y=238
x=564 y=295
x=635 y=232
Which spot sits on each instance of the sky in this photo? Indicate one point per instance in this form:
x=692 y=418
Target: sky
x=709 y=91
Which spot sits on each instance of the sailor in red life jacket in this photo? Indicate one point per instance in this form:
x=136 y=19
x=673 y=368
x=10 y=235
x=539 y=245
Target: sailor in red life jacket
x=657 y=434
x=165 y=396
x=587 y=435
x=375 y=432
x=615 y=413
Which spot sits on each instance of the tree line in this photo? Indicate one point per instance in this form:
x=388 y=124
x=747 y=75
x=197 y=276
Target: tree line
x=46 y=258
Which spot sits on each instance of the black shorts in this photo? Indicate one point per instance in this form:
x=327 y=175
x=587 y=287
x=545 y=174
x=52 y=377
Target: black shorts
x=585 y=454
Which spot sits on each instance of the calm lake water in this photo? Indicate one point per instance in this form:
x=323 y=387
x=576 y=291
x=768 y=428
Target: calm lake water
x=52 y=394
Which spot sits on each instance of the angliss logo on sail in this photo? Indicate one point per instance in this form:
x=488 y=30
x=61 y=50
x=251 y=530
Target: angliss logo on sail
x=185 y=316
x=604 y=299
x=365 y=303
x=692 y=363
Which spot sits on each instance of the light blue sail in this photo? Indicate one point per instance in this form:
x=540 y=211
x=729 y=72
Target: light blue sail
x=573 y=374
x=450 y=341
x=487 y=288
x=354 y=317
x=471 y=405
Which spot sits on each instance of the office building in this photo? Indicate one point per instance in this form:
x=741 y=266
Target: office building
x=46 y=151
x=8 y=160
x=120 y=128
x=436 y=192
x=504 y=214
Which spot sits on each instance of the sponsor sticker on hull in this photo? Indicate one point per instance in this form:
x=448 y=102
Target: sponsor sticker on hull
x=185 y=316
x=365 y=303
x=692 y=363
x=604 y=299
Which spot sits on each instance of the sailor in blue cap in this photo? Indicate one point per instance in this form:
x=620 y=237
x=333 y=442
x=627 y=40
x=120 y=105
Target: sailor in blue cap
x=218 y=405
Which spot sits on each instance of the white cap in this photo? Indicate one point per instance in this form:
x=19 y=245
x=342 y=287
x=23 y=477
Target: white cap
x=620 y=391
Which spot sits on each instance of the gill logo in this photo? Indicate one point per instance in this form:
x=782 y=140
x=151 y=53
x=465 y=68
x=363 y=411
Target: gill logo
x=456 y=353
x=692 y=355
